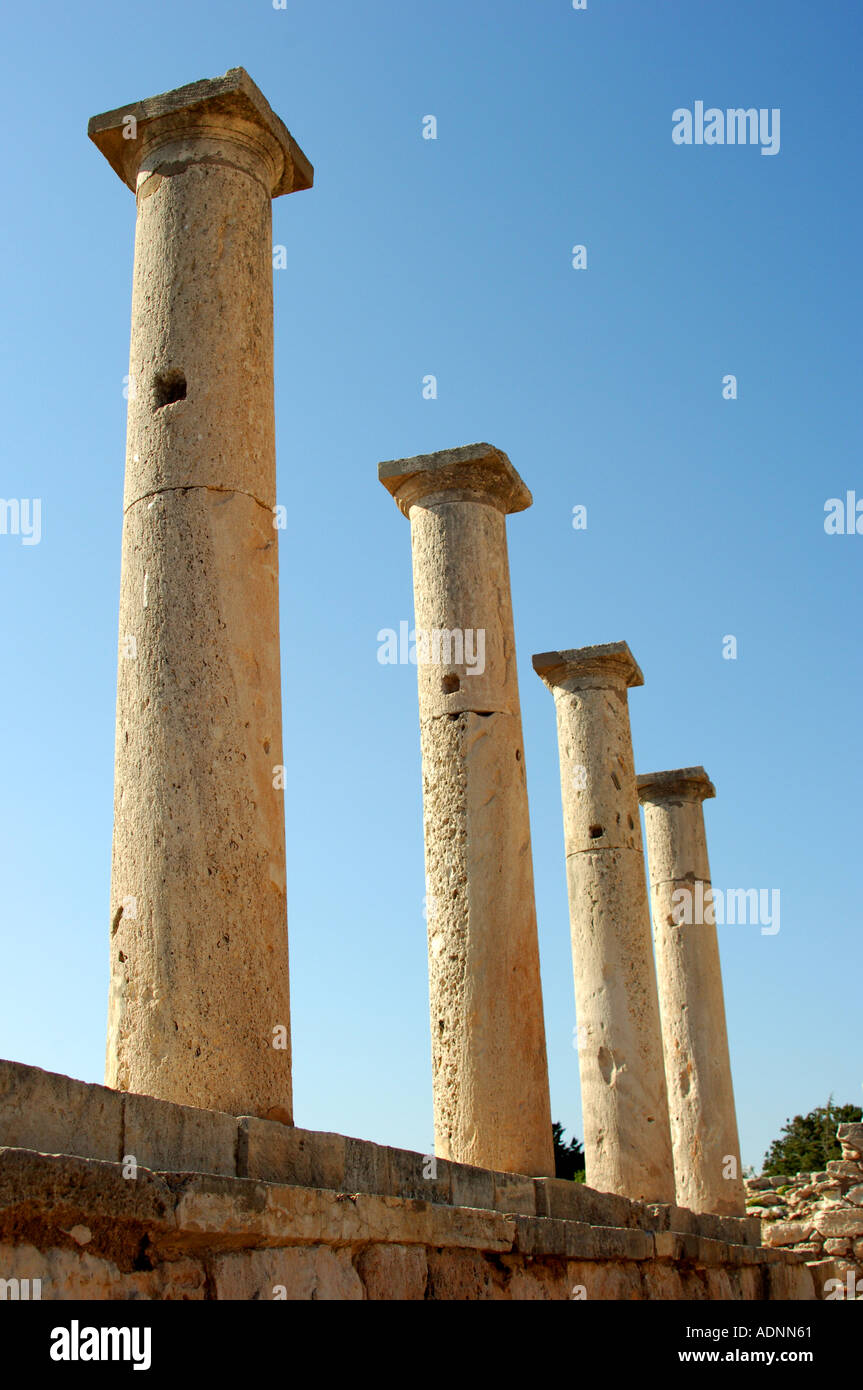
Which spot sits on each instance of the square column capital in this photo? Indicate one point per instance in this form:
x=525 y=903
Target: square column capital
x=682 y=784
x=477 y=472
x=213 y=108
x=611 y=663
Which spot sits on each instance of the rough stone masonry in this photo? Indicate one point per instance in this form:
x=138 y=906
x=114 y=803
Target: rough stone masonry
x=223 y=1207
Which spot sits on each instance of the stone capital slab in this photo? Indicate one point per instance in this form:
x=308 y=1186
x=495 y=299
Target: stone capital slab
x=214 y=109
x=681 y=784
x=477 y=473
x=610 y=664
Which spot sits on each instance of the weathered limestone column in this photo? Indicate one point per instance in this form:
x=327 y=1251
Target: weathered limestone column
x=199 y=1002
x=491 y=1099
x=697 y=1065
x=627 y=1142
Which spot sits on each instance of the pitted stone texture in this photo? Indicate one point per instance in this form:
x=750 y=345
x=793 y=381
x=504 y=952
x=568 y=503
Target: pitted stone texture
x=462 y=585
x=199 y=957
x=704 y=1134
x=626 y=1135
x=627 y=1139
x=54 y=1114
x=599 y=797
x=678 y=851
x=199 y=966
x=202 y=306
x=488 y=1036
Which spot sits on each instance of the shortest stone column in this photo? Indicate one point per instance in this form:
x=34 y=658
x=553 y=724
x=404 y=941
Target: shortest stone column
x=627 y=1143
x=695 y=1040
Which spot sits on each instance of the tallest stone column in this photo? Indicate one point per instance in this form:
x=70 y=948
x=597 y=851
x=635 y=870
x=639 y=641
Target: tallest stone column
x=199 y=1002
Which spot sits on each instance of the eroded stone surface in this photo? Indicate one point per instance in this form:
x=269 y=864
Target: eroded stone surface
x=87 y=1231
x=707 y=1164
x=627 y=1140
x=488 y=1035
x=54 y=1114
x=177 y=1138
x=199 y=1005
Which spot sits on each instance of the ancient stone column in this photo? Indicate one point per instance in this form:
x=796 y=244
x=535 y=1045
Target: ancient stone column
x=627 y=1142
x=697 y=1066
x=199 y=1002
x=491 y=1101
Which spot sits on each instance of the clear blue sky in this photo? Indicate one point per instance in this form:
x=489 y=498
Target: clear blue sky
x=452 y=257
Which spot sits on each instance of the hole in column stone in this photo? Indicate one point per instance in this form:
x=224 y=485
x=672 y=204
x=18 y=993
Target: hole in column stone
x=518 y=755
x=631 y=822
x=595 y=832
x=450 y=684
x=169 y=387
x=614 y=779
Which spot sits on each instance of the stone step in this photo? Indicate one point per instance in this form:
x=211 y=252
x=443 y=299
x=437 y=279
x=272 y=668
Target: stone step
x=54 y=1114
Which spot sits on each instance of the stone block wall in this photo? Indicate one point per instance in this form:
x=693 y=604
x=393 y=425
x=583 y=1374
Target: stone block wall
x=106 y=1195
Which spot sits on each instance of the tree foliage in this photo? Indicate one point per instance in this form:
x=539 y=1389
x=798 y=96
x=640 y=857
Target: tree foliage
x=808 y=1142
x=568 y=1158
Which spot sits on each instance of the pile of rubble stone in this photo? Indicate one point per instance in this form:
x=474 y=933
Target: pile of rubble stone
x=820 y=1215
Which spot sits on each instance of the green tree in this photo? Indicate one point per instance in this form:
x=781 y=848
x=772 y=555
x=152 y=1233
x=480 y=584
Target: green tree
x=808 y=1142
x=568 y=1158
